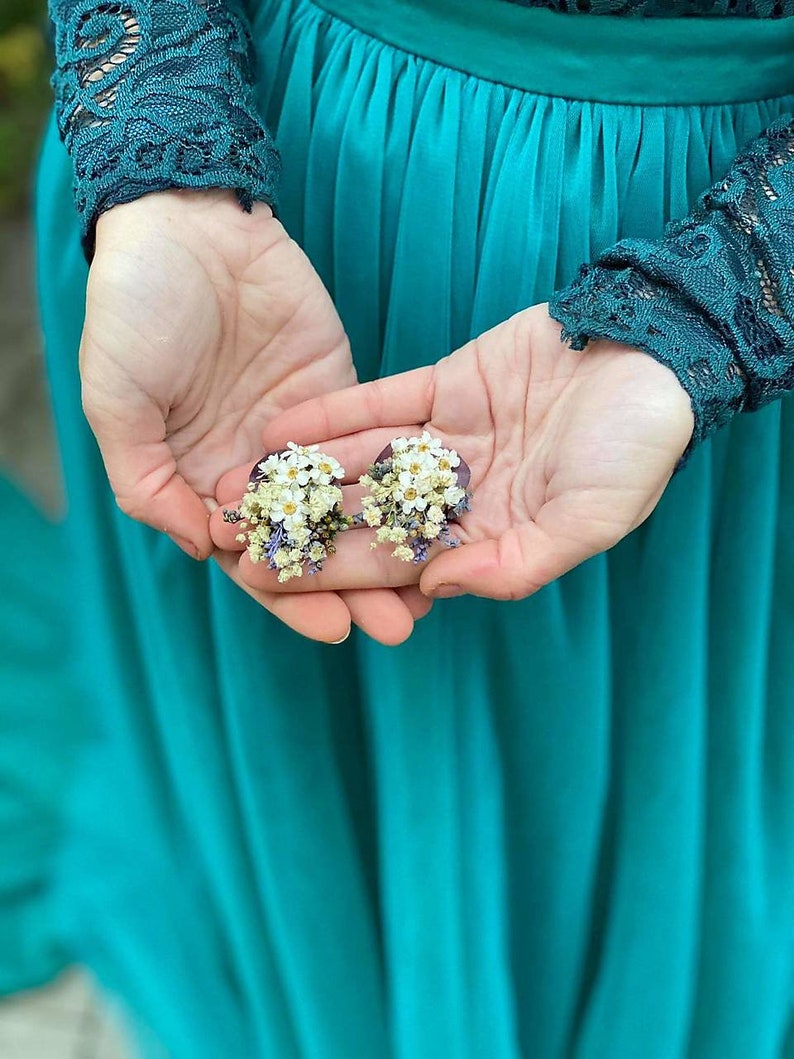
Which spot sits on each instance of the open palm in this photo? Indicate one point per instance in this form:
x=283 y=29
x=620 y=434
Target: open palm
x=202 y=324
x=568 y=451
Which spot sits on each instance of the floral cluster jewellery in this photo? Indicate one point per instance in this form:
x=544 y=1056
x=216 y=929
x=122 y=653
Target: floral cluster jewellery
x=292 y=510
x=416 y=488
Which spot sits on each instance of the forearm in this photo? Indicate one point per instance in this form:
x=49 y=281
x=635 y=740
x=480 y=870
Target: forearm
x=713 y=299
x=153 y=95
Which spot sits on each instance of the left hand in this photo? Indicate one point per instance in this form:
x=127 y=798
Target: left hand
x=569 y=451
x=203 y=323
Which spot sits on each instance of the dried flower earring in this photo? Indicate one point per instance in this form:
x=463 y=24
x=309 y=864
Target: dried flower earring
x=292 y=510
x=417 y=487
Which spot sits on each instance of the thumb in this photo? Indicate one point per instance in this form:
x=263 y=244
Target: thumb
x=142 y=470
x=513 y=566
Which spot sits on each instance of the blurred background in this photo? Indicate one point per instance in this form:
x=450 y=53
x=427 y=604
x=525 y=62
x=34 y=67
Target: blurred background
x=58 y=1014
x=26 y=441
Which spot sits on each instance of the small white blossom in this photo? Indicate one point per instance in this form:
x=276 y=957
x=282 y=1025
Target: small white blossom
x=448 y=460
x=410 y=498
x=266 y=467
x=325 y=470
x=317 y=553
x=453 y=495
x=290 y=508
x=300 y=453
x=293 y=474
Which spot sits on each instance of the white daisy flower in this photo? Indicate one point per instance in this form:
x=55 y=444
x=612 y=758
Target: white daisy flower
x=416 y=463
x=446 y=461
x=429 y=444
x=290 y=508
x=411 y=499
x=267 y=466
x=453 y=495
x=292 y=474
x=326 y=470
x=301 y=450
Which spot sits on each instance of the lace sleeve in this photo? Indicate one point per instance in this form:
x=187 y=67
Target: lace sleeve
x=156 y=94
x=713 y=299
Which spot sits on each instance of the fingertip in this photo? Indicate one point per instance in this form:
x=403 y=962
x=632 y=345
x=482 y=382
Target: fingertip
x=317 y=615
x=231 y=485
x=199 y=546
x=204 y=550
x=418 y=604
x=461 y=570
x=188 y=547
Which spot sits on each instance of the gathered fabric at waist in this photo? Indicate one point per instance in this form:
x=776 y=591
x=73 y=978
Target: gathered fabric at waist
x=603 y=58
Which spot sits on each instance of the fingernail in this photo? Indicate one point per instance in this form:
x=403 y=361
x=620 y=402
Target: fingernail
x=187 y=546
x=335 y=642
x=211 y=504
x=445 y=591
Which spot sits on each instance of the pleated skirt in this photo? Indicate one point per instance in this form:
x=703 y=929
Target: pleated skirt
x=556 y=828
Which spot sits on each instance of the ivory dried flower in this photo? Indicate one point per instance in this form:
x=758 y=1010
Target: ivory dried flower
x=292 y=510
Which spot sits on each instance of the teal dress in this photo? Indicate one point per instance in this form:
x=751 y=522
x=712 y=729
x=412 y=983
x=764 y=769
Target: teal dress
x=557 y=828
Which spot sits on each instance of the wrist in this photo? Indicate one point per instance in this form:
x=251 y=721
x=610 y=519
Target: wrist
x=205 y=223
x=658 y=386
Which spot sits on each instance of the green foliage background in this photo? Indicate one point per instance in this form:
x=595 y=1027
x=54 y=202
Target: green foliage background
x=24 y=97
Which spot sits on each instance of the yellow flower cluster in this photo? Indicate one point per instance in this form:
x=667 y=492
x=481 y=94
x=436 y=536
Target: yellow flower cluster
x=292 y=510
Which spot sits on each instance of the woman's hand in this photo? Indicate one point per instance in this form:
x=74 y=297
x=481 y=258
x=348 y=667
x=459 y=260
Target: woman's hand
x=202 y=324
x=568 y=451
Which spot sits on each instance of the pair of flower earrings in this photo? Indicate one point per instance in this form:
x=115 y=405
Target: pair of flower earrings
x=292 y=510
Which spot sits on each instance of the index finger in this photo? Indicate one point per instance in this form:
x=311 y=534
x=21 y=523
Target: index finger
x=389 y=402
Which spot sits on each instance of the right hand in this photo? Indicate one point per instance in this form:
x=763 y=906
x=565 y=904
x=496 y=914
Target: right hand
x=202 y=324
x=568 y=451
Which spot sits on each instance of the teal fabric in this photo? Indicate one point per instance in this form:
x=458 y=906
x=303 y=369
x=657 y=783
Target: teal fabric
x=42 y=719
x=712 y=299
x=670 y=62
x=557 y=828
x=161 y=94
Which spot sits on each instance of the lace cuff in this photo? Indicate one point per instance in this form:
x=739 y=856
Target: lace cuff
x=713 y=299
x=157 y=94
